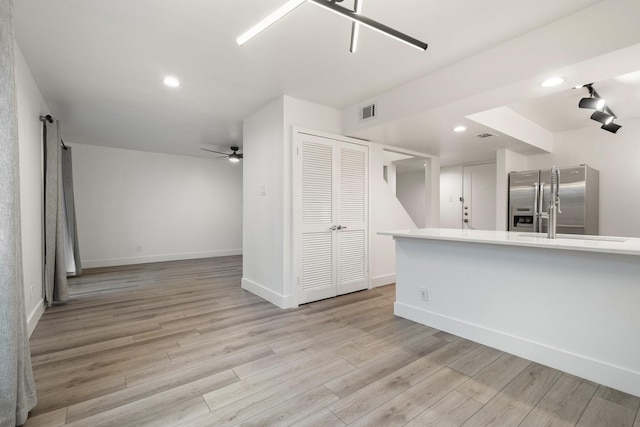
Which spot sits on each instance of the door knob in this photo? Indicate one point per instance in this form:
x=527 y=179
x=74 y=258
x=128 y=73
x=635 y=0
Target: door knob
x=342 y=227
x=333 y=228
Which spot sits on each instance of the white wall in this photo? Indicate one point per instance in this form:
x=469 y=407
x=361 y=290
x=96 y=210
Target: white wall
x=136 y=207
x=31 y=106
x=450 y=193
x=411 y=190
x=267 y=218
x=263 y=202
x=386 y=213
x=617 y=157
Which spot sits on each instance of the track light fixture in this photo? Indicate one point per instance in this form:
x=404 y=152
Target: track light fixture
x=602 y=117
x=603 y=113
x=611 y=127
x=592 y=102
x=332 y=5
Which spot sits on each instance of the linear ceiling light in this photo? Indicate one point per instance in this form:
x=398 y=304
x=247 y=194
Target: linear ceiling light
x=368 y=22
x=354 y=16
x=269 y=21
x=355 y=27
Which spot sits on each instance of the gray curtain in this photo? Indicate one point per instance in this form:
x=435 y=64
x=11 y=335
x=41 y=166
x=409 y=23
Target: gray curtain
x=73 y=252
x=55 y=280
x=17 y=389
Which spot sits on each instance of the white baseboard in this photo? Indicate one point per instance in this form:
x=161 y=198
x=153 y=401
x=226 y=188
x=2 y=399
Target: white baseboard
x=34 y=317
x=601 y=372
x=274 y=298
x=383 y=280
x=112 y=262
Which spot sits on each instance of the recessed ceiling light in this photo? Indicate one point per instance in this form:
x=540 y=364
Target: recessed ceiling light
x=171 y=81
x=552 y=81
x=459 y=129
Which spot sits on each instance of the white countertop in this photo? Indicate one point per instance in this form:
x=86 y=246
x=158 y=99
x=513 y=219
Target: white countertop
x=572 y=242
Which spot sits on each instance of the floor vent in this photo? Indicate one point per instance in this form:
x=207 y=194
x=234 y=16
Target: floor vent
x=485 y=135
x=368 y=112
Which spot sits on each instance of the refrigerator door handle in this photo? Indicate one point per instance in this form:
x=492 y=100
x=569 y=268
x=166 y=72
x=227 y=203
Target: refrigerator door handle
x=536 y=214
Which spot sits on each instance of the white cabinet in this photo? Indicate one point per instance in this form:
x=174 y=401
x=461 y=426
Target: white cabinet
x=330 y=210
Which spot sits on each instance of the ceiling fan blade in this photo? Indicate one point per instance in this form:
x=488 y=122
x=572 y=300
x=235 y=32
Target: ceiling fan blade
x=240 y=155
x=213 y=151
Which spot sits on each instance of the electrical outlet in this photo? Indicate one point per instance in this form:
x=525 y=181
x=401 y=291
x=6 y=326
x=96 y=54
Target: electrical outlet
x=424 y=294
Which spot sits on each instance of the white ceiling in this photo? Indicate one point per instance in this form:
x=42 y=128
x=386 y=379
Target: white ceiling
x=99 y=65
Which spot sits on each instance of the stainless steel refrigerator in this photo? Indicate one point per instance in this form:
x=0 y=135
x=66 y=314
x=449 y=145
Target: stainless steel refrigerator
x=529 y=193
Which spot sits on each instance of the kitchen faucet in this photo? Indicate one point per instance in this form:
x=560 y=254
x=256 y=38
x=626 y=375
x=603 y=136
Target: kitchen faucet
x=554 y=203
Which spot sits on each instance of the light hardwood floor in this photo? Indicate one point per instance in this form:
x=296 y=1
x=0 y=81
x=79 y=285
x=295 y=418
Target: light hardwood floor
x=181 y=344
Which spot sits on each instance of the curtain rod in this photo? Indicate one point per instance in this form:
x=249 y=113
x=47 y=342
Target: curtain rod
x=49 y=119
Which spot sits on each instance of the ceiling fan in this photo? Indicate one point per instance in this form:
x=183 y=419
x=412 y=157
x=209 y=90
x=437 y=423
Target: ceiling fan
x=233 y=157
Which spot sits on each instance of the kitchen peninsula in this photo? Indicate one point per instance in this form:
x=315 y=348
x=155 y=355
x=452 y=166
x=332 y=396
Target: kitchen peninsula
x=572 y=303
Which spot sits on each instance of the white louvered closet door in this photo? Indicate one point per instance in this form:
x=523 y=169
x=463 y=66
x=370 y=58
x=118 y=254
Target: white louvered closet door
x=351 y=218
x=330 y=210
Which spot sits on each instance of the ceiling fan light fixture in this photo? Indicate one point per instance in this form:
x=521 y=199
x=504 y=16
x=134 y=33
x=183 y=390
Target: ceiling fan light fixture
x=592 y=103
x=269 y=21
x=602 y=117
x=234 y=158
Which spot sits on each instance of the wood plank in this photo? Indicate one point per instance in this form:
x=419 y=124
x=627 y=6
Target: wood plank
x=71 y=393
x=488 y=382
x=369 y=397
x=451 y=411
x=198 y=376
x=563 y=405
x=476 y=360
x=257 y=383
x=143 y=410
x=322 y=418
x=601 y=412
x=517 y=399
x=295 y=409
x=411 y=403
x=55 y=418
x=245 y=408
x=382 y=366
x=618 y=397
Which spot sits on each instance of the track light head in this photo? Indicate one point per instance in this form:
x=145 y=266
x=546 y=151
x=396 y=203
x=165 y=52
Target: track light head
x=592 y=103
x=611 y=127
x=602 y=117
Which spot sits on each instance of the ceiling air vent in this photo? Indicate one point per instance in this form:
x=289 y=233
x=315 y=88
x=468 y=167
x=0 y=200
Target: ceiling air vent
x=368 y=112
x=485 y=135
